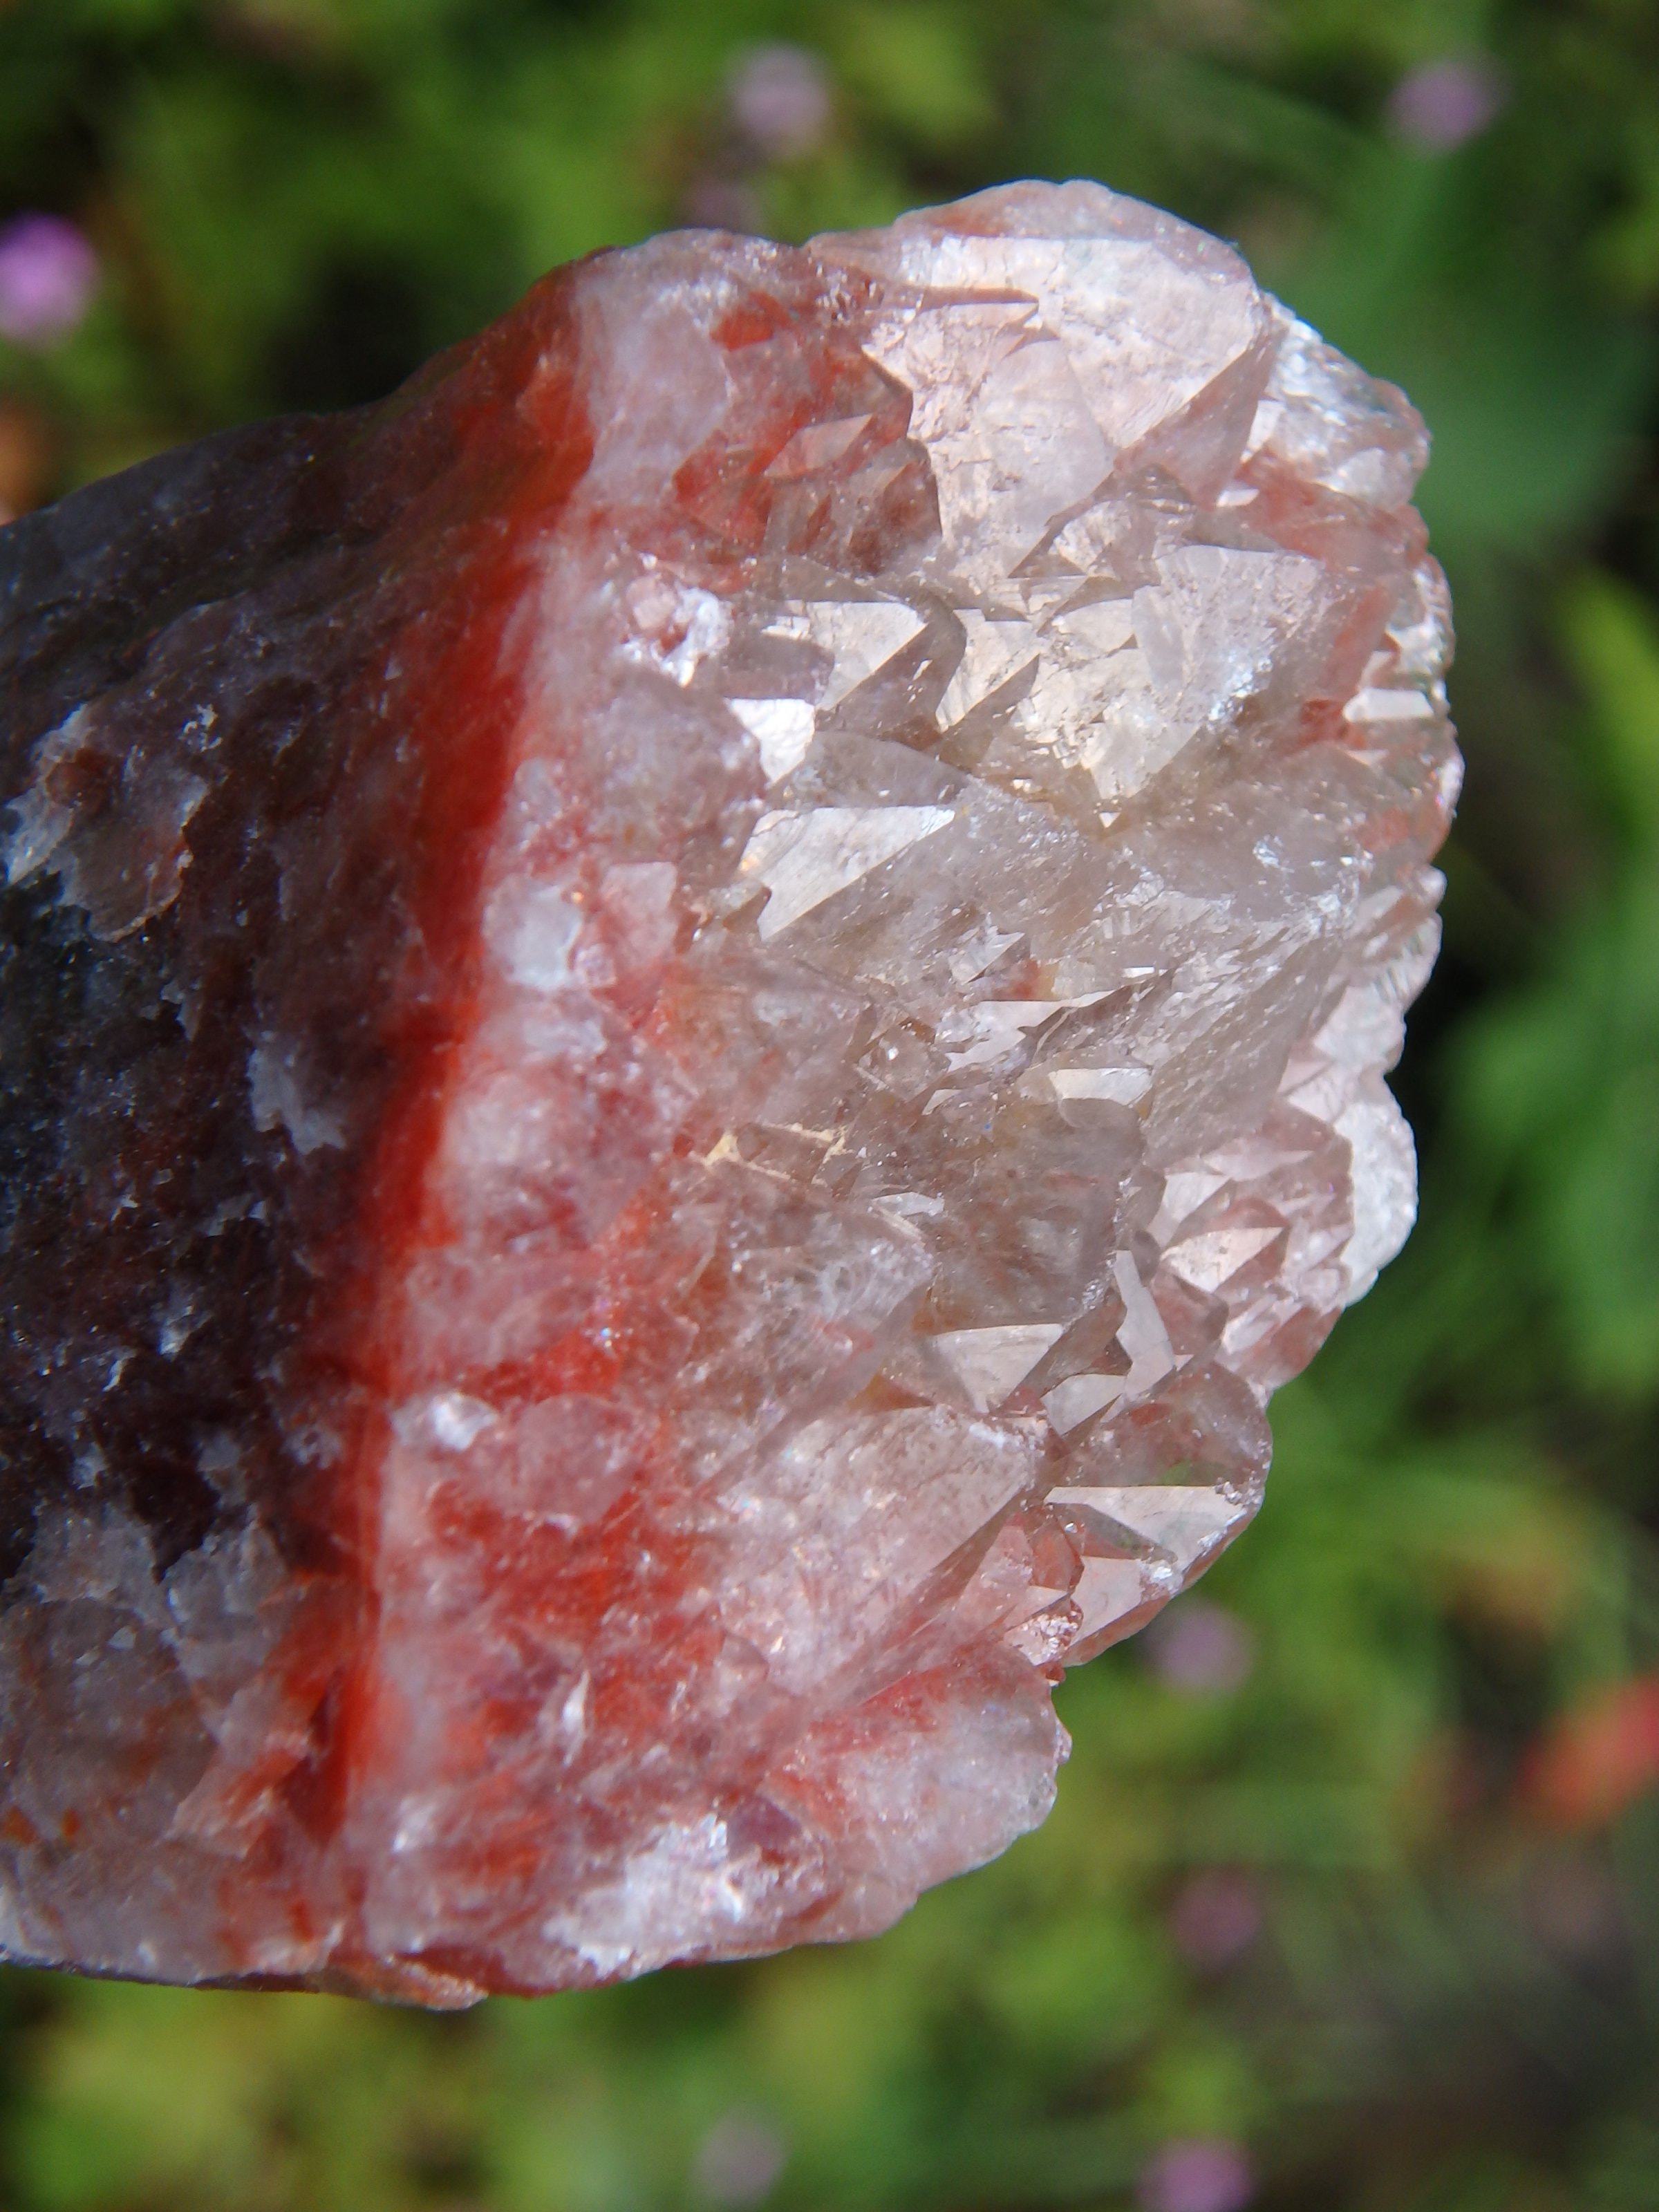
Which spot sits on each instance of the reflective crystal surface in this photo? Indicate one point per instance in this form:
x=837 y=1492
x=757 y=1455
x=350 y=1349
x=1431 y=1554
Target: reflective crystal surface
x=690 y=1023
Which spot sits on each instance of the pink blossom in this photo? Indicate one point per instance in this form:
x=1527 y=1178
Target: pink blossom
x=48 y=274
x=714 y=203
x=1216 y=1917
x=739 y=2159
x=1200 y=1647
x=1442 y=105
x=779 y=98
x=1197 y=2177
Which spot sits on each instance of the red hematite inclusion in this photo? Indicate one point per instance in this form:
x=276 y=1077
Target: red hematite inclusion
x=689 y=1023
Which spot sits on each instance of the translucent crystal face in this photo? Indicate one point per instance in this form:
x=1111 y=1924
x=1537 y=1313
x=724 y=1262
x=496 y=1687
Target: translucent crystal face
x=948 y=794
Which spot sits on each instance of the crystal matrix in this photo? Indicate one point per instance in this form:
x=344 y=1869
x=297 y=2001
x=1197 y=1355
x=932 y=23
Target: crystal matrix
x=689 y=1022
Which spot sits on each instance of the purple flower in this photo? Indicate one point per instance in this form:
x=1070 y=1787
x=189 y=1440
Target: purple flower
x=739 y=2159
x=1199 y=1647
x=1442 y=105
x=779 y=98
x=1216 y=1917
x=1197 y=2177
x=721 y=204
x=48 y=274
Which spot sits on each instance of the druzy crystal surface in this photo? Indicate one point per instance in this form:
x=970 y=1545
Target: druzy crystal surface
x=689 y=1023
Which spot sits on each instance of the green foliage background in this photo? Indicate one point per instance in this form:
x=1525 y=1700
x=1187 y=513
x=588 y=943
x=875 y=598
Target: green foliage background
x=1435 y=1781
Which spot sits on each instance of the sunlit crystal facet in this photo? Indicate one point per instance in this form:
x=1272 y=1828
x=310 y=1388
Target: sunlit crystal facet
x=690 y=1022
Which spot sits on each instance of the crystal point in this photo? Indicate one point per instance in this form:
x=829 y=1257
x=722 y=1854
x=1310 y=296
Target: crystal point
x=689 y=1023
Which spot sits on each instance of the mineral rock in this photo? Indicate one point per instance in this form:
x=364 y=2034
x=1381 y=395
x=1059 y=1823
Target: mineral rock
x=689 y=1023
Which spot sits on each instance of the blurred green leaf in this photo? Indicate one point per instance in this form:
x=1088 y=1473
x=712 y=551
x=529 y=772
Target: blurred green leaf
x=911 y=64
x=1612 y=639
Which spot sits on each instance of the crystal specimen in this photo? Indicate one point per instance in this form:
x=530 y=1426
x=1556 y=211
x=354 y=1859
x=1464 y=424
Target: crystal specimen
x=689 y=1023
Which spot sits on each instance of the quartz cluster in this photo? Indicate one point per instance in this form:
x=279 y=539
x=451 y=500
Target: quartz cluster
x=689 y=1022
